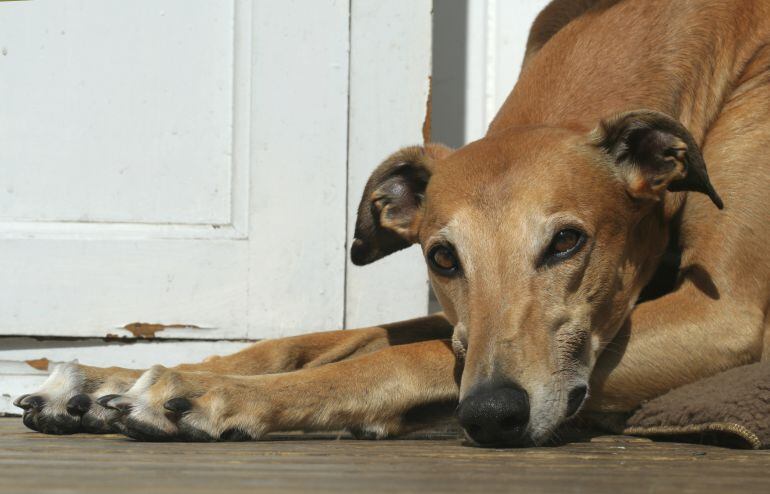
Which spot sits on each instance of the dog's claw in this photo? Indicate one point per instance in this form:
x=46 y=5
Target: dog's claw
x=30 y=402
x=105 y=400
x=234 y=435
x=178 y=405
x=17 y=401
x=79 y=405
x=115 y=402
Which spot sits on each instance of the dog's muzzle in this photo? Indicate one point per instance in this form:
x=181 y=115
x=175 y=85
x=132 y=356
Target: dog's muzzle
x=495 y=414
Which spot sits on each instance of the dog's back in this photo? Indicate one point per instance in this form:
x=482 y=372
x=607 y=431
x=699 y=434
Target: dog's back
x=590 y=58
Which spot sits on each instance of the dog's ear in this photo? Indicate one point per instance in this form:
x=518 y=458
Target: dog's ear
x=654 y=153
x=390 y=211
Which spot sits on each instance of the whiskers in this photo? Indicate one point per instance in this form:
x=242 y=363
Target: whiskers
x=610 y=346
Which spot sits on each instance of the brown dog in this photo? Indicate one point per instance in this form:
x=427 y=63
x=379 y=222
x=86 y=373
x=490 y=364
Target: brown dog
x=588 y=195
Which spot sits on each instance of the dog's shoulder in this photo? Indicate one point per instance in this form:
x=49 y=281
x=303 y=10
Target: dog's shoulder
x=554 y=17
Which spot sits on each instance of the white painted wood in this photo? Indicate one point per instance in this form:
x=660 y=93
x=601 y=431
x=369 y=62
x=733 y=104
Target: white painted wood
x=112 y=120
x=299 y=110
x=477 y=109
x=18 y=377
x=185 y=162
x=513 y=21
x=497 y=40
x=175 y=162
x=132 y=354
x=389 y=84
x=95 y=287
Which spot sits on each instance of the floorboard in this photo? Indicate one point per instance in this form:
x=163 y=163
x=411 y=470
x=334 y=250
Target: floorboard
x=35 y=463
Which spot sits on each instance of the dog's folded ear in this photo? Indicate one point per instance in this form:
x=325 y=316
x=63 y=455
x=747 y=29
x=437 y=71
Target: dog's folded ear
x=654 y=153
x=390 y=211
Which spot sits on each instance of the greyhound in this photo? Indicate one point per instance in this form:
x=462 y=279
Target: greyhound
x=580 y=251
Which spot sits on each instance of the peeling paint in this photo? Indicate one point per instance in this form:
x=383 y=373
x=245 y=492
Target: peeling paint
x=426 y=124
x=39 y=364
x=146 y=330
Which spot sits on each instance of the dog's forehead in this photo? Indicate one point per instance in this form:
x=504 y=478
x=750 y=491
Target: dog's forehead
x=531 y=171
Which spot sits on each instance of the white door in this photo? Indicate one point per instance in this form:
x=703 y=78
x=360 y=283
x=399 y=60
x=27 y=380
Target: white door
x=187 y=169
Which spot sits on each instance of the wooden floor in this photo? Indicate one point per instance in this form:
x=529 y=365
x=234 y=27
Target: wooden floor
x=34 y=463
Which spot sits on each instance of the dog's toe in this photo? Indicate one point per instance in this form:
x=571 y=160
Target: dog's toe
x=78 y=405
x=61 y=406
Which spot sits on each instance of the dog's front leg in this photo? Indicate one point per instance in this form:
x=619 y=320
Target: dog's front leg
x=677 y=339
x=373 y=394
x=65 y=402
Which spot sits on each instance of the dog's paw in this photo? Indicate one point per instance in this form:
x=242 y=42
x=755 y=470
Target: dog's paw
x=65 y=403
x=168 y=405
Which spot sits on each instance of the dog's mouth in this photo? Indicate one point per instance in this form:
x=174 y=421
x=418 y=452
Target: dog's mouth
x=502 y=414
x=471 y=439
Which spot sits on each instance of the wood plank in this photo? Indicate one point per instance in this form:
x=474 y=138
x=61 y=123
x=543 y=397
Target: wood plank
x=389 y=83
x=497 y=39
x=97 y=287
x=298 y=185
x=119 y=130
x=30 y=462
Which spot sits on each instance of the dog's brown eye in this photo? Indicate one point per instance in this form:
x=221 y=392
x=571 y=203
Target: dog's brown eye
x=443 y=260
x=564 y=244
x=565 y=241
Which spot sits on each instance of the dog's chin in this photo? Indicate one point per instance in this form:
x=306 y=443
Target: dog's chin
x=538 y=433
x=527 y=440
x=542 y=431
x=522 y=442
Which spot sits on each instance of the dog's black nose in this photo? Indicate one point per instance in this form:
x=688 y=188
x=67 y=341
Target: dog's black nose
x=495 y=414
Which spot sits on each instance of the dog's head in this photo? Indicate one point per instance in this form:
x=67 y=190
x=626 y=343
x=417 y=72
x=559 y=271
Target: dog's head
x=538 y=241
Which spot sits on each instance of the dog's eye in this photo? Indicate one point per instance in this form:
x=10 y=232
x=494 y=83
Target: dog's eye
x=442 y=260
x=564 y=244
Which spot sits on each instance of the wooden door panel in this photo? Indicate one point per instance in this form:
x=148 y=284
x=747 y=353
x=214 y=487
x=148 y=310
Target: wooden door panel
x=175 y=163
x=121 y=111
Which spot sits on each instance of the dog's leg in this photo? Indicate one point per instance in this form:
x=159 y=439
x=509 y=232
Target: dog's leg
x=66 y=402
x=375 y=393
x=677 y=339
x=314 y=349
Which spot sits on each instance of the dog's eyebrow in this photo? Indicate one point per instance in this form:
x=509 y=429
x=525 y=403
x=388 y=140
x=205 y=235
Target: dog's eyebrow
x=560 y=221
x=445 y=234
x=548 y=226
x=449 y=234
